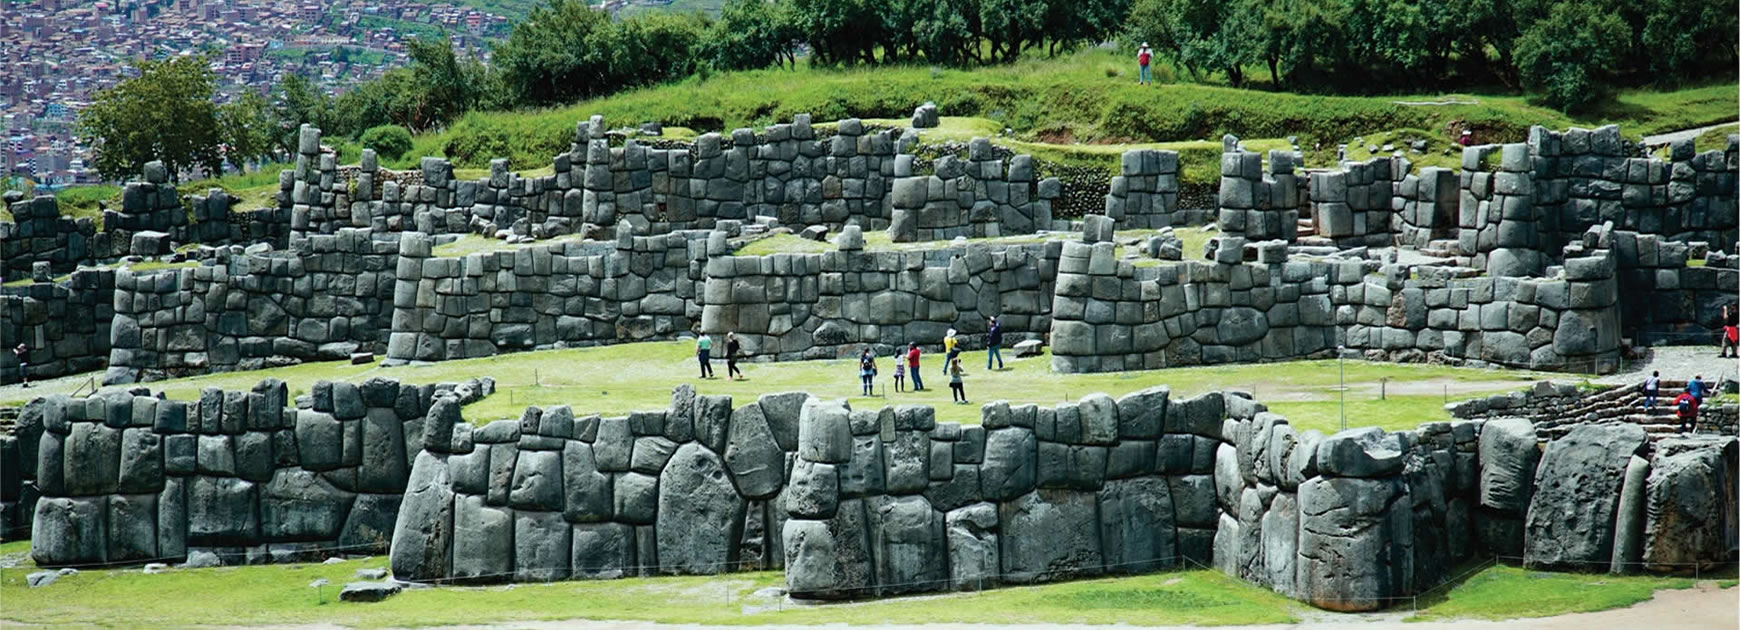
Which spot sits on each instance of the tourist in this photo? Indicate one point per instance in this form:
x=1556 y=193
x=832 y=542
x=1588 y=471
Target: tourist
x=1143 y=56
x=912 y=365
x=1730 y=332
x=994 y=344
x=23 y=354
x=956 y=390
x=704 y=348
x=899 y=373
x=867 y=371
x=1467 y=138
x=1687 y=408
x=1651 y=389
x=1697 y=388
x=951 y=347
x=732 y=347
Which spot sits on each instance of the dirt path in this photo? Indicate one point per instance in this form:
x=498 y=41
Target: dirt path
x=1683 y=134
x=1704 y=607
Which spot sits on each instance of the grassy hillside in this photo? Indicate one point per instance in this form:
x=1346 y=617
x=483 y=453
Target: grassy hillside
x=1088 y=97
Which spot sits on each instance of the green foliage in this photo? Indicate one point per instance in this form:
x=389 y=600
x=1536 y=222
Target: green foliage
x=568 y=50
x=751 y=34
x=166 y=113
x=1568 y=58
x=249 y=128
x=390 y=142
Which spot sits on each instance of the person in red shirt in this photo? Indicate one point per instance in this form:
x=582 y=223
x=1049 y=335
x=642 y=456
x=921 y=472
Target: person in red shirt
x=1687 y=407
x=912 y=366
x=1143 y=56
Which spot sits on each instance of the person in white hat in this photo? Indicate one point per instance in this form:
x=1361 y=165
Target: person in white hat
x=1143 y=56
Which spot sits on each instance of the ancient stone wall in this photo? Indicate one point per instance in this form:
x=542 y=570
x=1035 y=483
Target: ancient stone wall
x=1354 y=206
x=1255 y=205
x=330 y=295
x=563 y=294
x=66 y=324
x=979 y=198
x=41 y=234
x=806 y=306
x=1111 y=315
x=127 y=477
x=860 y=502
x=1429 y=205
x=1582 y=178
x=1144 y=194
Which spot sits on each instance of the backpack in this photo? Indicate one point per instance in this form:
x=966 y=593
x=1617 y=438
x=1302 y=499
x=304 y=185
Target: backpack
x=1685 y=405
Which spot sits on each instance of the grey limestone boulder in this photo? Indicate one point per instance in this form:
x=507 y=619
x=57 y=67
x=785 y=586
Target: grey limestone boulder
x=298 y=505
x=1508 y=457
x=753 y=456
x=1142 y=414
x=1050 y=535
x=483 y=541
x=828 y=559
x=699 y=513
x=423 y=536
x=814 y=491
x=1011 y=463
x=601 y=550
x=586 y=491
x=783 y=412
x=1364 y=452
x=908 y=548
x=825 y=432
x=1355 y=538
x=1136 y=525
x=972 y=547
x=541 y=547
x=68 y=531
x=1570 y=520
x=368 y=591
x=1690 y=504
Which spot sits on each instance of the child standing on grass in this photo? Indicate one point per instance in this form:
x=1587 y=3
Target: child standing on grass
x=957 y=390
x=899 y=374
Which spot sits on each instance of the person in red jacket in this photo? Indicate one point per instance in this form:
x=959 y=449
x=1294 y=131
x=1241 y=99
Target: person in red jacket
x=1143 y=56
x=912 y=366
x=1687 y=407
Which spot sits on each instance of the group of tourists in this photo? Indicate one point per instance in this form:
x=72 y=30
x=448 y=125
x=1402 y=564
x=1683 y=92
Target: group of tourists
x=1685 y=405
x=907 y=362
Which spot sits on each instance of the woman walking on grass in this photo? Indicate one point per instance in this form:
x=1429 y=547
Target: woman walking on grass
x=867 y=371
x=956 y=389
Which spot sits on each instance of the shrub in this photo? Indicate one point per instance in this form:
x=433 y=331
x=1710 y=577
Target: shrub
x=390 y=142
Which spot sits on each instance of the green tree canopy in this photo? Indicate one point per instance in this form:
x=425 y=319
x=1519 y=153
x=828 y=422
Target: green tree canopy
x=166 y=113
x=1568 y=57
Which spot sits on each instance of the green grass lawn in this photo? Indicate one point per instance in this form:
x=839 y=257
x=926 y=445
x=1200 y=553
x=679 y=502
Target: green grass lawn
x=622 y=378
x=1509 y=592
x=281 y=594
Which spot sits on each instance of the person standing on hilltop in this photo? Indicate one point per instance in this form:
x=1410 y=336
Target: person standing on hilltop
x=1143 y=56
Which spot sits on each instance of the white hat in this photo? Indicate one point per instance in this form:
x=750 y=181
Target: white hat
x=1466 y=132
x=951 y=332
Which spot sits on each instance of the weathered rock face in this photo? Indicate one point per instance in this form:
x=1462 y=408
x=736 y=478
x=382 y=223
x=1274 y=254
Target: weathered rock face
x=1050 y=535
x=1353 y=542
x=829 y=559
x=1508 y=457
x=1570 y=521
x=700 y=514
x=1690 y=499
x=423 y=537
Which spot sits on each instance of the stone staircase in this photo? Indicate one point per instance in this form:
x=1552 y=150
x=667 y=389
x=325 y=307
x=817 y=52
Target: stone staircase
x=1620 y=404
x=1307 y=227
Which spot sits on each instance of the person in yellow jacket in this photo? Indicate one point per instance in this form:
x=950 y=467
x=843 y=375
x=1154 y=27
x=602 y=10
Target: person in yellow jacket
x=951 y=346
